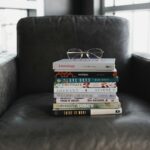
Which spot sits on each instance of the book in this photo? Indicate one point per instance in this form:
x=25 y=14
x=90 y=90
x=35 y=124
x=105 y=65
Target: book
x=111 y=95
x=85 y=100
x=85 y=64
x=82 y=106
x=82 y=70
x=86 y=85
x=84 y=90
x=80 y=80
x=89 y=112
x=84 y=74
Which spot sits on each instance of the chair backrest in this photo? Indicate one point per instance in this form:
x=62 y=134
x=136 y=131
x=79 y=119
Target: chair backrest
x=42 y=40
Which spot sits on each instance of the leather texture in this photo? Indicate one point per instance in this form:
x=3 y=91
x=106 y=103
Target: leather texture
x=140 y=75
x=43 y=40
x=28 y=125
x=8 y=83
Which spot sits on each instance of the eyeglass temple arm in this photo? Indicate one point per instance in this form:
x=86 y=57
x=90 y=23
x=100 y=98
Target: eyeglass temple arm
x=77 y=52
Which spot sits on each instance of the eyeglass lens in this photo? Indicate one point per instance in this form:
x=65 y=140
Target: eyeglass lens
x=94 y=53
x=74 y=53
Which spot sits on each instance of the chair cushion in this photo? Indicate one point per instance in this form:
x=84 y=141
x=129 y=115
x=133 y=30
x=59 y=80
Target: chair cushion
x=28 y=125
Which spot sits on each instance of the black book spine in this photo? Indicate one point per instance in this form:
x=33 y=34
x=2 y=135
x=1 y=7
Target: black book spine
x=71 y=113
x=84 y=74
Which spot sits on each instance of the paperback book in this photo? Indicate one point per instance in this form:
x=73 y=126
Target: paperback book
x=89 y=112
x=84 y=100
x=86 y=85
x=81 y=80
x=77 y=106
x=85 y=90
x=62 y=74
x=78 y=95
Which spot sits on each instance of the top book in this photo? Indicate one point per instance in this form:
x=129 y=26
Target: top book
x=103 y=64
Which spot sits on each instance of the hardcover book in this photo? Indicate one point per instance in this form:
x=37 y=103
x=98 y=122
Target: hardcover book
x=85 y=64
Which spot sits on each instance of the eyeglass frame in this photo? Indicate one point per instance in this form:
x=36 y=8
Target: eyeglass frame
x=82 y=52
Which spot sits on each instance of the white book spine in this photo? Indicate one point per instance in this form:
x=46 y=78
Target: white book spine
x=85 y=100
x=84 y=90
x=86 y=85
x=93 y=67
x=85 y=95
x=84 y=65
x=106 y=111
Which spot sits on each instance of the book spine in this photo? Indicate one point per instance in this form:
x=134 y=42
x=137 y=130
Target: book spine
x=71 y=112
x=80 y=66
x=80 y=80
x=87 y=112
x=76 y=106
x=85 y=100
x=86 y=85
x=84 y=74
x=84 y=90
x=85 y=95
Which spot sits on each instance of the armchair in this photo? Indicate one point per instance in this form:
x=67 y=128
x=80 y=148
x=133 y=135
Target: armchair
x=26 y=86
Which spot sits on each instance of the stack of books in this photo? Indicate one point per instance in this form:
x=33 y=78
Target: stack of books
x=85 y=87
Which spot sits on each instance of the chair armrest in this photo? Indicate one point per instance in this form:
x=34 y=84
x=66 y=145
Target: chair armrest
x=8 y=80
x=140 y=74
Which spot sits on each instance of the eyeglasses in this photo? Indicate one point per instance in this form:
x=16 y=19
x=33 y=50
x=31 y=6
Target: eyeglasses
x=75 y=53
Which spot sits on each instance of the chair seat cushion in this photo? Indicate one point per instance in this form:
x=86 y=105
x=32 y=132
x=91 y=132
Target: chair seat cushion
x=28 y=125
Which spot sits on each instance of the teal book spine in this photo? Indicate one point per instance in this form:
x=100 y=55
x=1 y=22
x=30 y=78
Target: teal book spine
x=80 y=80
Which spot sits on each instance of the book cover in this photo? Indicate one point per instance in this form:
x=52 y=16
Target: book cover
x=89 y=112
x=84 y=90
x=82 y=106
x=85 y=64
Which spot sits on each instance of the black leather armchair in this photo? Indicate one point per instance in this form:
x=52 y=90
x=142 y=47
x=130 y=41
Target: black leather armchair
x=26 y=84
